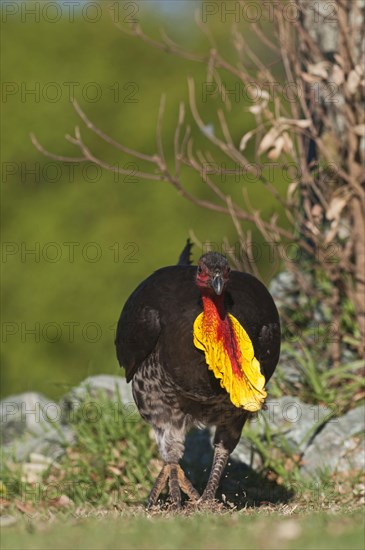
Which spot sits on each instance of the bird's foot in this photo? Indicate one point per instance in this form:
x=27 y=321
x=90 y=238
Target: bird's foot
x=208 y=496
x=177 y=482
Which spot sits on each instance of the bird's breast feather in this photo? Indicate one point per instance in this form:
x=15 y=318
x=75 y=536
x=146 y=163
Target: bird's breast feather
x=230 y=355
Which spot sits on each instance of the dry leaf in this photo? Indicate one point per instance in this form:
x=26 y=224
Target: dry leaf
x=24 y=508
x=278 y=147
x=265 y=96
x=331 y=234
x=360 y=130
x=291 y=189
x=245 y=140
x=319 y=69
x=301 y=123
x=37 y=458
x=288 y=144
x=33 y=473
x=114 y=470
x=268 y=140
x=335 y=208
x=338 y=75
x=353 y=81
x=316 y=212
x=115 y=453
x=256 y=109
x=310 y=78
x=338 y=59
x=64 y=501
x=274 y=154
x=285 y=123
x=73 y=455
x=277 y=137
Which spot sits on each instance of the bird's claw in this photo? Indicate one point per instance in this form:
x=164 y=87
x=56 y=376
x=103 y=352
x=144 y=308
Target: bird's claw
x=177 y=482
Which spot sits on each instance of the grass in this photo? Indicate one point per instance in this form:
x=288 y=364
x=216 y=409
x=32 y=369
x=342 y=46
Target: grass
x=113 y=459
x=338 y=388
x=282 y=528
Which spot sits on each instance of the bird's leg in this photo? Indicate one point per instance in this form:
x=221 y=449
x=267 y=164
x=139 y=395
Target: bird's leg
x=158 y=485
x=186 y=485
x=226 y=438
x=177 y=480
x=219 y=463
x=174 y=488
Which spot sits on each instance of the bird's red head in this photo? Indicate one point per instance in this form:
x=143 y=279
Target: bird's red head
x=212 y=273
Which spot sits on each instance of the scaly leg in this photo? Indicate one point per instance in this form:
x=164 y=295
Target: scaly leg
x=225 y=440
x=219 y=463
x=187 y=486
x=174 y=489
x=158 y=485
x=177 y=481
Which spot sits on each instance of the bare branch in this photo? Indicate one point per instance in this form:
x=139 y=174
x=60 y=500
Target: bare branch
x=159 y=132
x=108 y=139
x=53 y=156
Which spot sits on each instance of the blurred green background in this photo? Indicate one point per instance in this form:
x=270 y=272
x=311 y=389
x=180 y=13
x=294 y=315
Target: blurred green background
x=76 y=240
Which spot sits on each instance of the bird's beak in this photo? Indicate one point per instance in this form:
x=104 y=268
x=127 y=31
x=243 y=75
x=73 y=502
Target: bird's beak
x=217 y=284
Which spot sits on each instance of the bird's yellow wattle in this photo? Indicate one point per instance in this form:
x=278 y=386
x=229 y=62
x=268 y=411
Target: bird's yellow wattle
x=236 y=365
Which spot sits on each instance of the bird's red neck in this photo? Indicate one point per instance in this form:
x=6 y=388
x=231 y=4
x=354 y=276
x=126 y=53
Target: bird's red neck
x=217 y=323
x=213 y=305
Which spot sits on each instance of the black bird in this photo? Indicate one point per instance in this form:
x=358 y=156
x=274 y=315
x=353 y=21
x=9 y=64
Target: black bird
x=198 y=343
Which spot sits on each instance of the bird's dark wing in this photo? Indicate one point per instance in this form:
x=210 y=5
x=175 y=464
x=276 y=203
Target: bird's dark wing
x=157 y=310
x=138 y=330
x=269 y=348
x=184 y=258
x=251 y=303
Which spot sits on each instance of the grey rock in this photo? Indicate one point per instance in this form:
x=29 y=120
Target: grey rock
x=28 y=412
x=245 y=452
x=353 y=422
x=348 y=355
x=289 y=369
x=337 y=447
x=30 y=423
x=111 y=385
x=290 y=418
x=283 y=282
x=353 y=457
x=284 y=290
x=115 y=387
x=52 y=443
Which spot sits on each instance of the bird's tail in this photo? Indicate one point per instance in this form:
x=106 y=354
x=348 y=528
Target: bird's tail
x=184 y=258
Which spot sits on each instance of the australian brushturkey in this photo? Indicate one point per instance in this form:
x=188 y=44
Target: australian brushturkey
x=198 y=343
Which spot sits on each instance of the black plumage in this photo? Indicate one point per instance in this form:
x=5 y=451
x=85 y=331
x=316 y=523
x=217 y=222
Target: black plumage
x=171 y=383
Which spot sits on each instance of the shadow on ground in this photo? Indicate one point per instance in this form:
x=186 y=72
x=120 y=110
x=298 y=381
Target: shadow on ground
x=240 y=485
